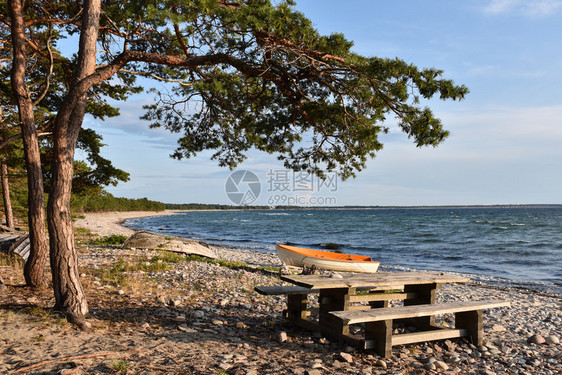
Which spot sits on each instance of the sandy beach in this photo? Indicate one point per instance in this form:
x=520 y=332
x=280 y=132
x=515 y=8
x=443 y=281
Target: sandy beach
x=108 y=223
x=205 y=318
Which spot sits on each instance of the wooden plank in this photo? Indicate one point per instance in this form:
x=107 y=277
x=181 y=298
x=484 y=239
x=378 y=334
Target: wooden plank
x=25 y=253
x=427 y=294
x=387 y=279
x=8 y=237
x=382 y=297
x=380 y=335
x=21 y=247
x=297 y=306
x=333 y=300
x=473 y=322
x=353 y=317
x=441 y=334
x=280 y=290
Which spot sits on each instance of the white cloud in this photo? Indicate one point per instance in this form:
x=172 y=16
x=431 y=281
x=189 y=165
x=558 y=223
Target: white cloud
x=527 y=8
x=541 y=8
x=501 y=6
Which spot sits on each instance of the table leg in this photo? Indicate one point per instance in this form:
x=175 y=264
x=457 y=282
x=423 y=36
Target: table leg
x=473 y=322
x=426 y=294
x=333 y=300
x=380 y=333
x=297 y=306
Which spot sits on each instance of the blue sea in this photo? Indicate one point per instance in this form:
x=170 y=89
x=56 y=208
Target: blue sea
x=518 y=246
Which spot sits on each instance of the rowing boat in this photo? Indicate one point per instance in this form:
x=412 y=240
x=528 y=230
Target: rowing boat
x=326 y=260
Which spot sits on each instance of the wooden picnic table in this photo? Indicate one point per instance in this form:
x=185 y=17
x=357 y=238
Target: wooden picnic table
x=340 y=295
x=379 y=280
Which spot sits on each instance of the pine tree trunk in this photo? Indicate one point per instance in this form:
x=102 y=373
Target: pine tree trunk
x=35 y=265
x=69 y=295
x=6 y=194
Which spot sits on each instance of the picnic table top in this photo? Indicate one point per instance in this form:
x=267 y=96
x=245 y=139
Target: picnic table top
x=390 y=279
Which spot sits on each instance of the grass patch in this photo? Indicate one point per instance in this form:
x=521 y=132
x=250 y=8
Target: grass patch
x=119 y=366
x=117 y=273
x=220 y=262
x=44 y=315
x=229 y=264
x=114 y=239
x=168 y=257
x=11 y=260
x=82 y=232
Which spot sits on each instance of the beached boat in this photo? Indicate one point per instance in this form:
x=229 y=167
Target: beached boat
x=325 y=260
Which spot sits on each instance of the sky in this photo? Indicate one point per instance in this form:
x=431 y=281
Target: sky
x=505 y=143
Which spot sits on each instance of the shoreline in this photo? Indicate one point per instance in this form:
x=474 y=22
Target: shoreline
x=194 y=317
x=110 y=223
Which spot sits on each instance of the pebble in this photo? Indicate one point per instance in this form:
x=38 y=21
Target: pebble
x=430 y=366
x=220 y=325
x=346 y=357
x=198 y=314
x=536 y=339
x=552 y=340
x=441 y=365
x=498 y=328
x=282 y=336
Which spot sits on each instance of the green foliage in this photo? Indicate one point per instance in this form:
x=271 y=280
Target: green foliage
x=107 y=202
x=117 y=273
x=119 y=366
x=279 y=86
x=11 y=260
x=114 y=239
x=93 y=174
x=259 y=76
x=90 y=178
x=168 y=257
x=203 y=206
x=227 y=263
x=18 y=196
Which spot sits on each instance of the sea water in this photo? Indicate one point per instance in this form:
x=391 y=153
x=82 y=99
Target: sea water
x=520 y=246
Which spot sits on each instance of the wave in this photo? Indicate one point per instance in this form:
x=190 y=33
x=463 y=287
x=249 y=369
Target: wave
x=505 y=242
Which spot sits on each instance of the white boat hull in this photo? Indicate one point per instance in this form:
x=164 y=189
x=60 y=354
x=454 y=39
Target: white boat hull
x=291 y=258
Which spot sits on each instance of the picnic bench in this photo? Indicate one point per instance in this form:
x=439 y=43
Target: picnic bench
x=378 y=323
x=364 y=299
x=15 y=243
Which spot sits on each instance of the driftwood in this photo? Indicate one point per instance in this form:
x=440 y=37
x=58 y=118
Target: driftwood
x=153 y=241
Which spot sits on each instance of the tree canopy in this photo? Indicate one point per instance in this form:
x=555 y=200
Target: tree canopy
x=257 y=75
x=245 y=74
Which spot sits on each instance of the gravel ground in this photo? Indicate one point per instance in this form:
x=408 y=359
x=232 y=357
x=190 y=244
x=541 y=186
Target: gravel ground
x=203 y=318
